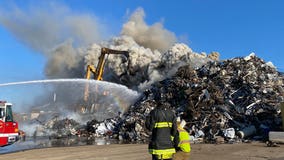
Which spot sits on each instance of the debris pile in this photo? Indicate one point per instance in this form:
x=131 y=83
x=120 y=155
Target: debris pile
x=57 y=128
x=236 y=99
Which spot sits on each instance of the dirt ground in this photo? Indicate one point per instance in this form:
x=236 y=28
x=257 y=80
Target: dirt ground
x=241 y=151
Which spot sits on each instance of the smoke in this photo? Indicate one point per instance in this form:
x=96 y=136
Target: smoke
x=144 y=66
x=44 y=28
x=153 y=37
x=54 y=31
x=70 y=41
x=65 y=62
x=154 y=55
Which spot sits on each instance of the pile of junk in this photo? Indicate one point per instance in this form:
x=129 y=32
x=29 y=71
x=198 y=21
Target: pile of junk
x=222 y=101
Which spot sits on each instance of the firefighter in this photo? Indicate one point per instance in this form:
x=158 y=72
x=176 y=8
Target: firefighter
x=183 y=148
x=161 y=121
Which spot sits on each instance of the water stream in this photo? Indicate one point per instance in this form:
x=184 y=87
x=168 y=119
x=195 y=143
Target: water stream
x=71 y=91
x=107 y=100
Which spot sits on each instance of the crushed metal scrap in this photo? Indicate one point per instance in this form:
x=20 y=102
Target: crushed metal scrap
x=236 y=99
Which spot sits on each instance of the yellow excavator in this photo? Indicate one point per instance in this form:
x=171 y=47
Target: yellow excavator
x=99 y=70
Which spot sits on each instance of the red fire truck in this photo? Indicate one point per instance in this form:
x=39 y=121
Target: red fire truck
x=9 y=131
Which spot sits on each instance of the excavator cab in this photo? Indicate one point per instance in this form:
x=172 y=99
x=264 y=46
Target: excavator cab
x=99 y=70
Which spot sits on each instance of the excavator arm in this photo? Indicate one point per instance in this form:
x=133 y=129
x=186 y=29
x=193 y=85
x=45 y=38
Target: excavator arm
x=99 y=70
x=90 y=69
x=100 y=66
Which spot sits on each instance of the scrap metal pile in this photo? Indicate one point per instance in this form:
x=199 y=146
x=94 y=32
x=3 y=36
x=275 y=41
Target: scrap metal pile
x=239 y=97
x=235 y=99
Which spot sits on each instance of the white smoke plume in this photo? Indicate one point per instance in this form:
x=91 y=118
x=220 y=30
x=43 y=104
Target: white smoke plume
x=153 y=37
x=154 y=54
x=144 y=66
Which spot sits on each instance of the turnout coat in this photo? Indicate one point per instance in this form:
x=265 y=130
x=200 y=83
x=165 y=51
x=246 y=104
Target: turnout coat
x=162 y=122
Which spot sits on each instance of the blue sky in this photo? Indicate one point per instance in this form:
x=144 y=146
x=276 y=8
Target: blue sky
x=231 y=27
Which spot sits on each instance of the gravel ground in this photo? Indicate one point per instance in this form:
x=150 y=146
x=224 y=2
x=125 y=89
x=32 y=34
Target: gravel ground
x=242 y=151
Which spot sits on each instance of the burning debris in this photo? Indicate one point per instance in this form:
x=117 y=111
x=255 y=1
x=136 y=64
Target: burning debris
x=56 y=127
x=234 y=98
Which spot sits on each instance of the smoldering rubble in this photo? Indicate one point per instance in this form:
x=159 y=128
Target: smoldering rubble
x=235 y=99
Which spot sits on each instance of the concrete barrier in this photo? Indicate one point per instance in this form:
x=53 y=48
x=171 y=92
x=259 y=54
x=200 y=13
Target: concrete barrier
x=277 y=137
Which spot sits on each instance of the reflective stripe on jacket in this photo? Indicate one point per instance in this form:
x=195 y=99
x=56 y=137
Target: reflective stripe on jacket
x=163 y=124
x=162 y=151
x=184 y=140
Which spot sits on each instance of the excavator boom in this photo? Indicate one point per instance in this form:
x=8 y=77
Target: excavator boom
x=101 y=63
x=99 y=70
